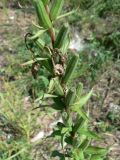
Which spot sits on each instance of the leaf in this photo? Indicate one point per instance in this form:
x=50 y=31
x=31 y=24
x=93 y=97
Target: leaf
x=83 y=100
x=64 y=130
x=62 y=36
x=58 y=154
x=66 y=14
x=96 y=157
x=51 y=86
x=65 y=45
x=58 y=87
x=40 y=43
x=96 y=150
x=85 y=144
x=71 y=68
x=78 y=154
x=33 y=61
x=38 y=34
x=79 y=124
x=79 y=111
x=56 y=133
x=70 y=97
x=56 y=9
x=79 y=91
x=59 y=104
x=49 y=96
x=89 y=134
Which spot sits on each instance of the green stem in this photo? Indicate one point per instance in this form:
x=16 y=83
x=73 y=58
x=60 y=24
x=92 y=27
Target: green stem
x=51 y=30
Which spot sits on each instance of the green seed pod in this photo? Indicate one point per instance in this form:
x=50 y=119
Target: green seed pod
x=58 y=87
x=45 y=2
x=40 y=44
x=43 y=17
x=85 y=144
x=78 y=92
x=56 y=8
x=62 y=37
x=70 y=68
x=79 y=124
x=65 y=45
x=70 y=97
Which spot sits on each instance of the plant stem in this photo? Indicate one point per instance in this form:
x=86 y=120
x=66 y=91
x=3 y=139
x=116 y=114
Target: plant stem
x=51 y=30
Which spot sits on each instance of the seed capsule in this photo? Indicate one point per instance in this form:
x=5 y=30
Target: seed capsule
x=70 y=68
x=62 y=37
x=56 y=9
x=43 y=17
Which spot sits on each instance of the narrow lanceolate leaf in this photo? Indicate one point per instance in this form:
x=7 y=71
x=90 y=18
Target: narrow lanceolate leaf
x=66 y=14
x=51 y=86
x=83 y=100
x=80 y=111
x=70 y=68
x=96 y=157
x=59 y=104
x=43 y=17
x=79 y=124
x=56 y=8
x=62 y=37
x=58 y=87
x=37 y=35
x=45 y=2
x=79 y=92
x=85 y=144
x=78 y=154
x=65 y=45
x=33 y=61
x=89 y=134
x=96 y=150
x=48 y=65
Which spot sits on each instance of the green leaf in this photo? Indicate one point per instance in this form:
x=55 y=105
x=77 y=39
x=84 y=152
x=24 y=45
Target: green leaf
x=83 y=100
x=58 y=154
x=40 y=43
x=45 y=2
x=79 y=124
x=59 y=104
x=61 y=37
x=96 y=157
x=79 y=91
x=43 y=17
x=65 y=45
x=56 y=133
x=85 y=144
x=96 y=150
x=66 y=14
x=70 y=68
x=38 y=34
x=89 y=134
x=79 y=111
x=49 y=96
x=70 y=97
x=64 y=130
x=58 y=87
x=78 y=154
x=33 y=61
x=51 y=86
x=56 y=8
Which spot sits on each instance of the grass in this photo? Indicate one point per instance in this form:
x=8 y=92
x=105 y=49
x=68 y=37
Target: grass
x=17 y=124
